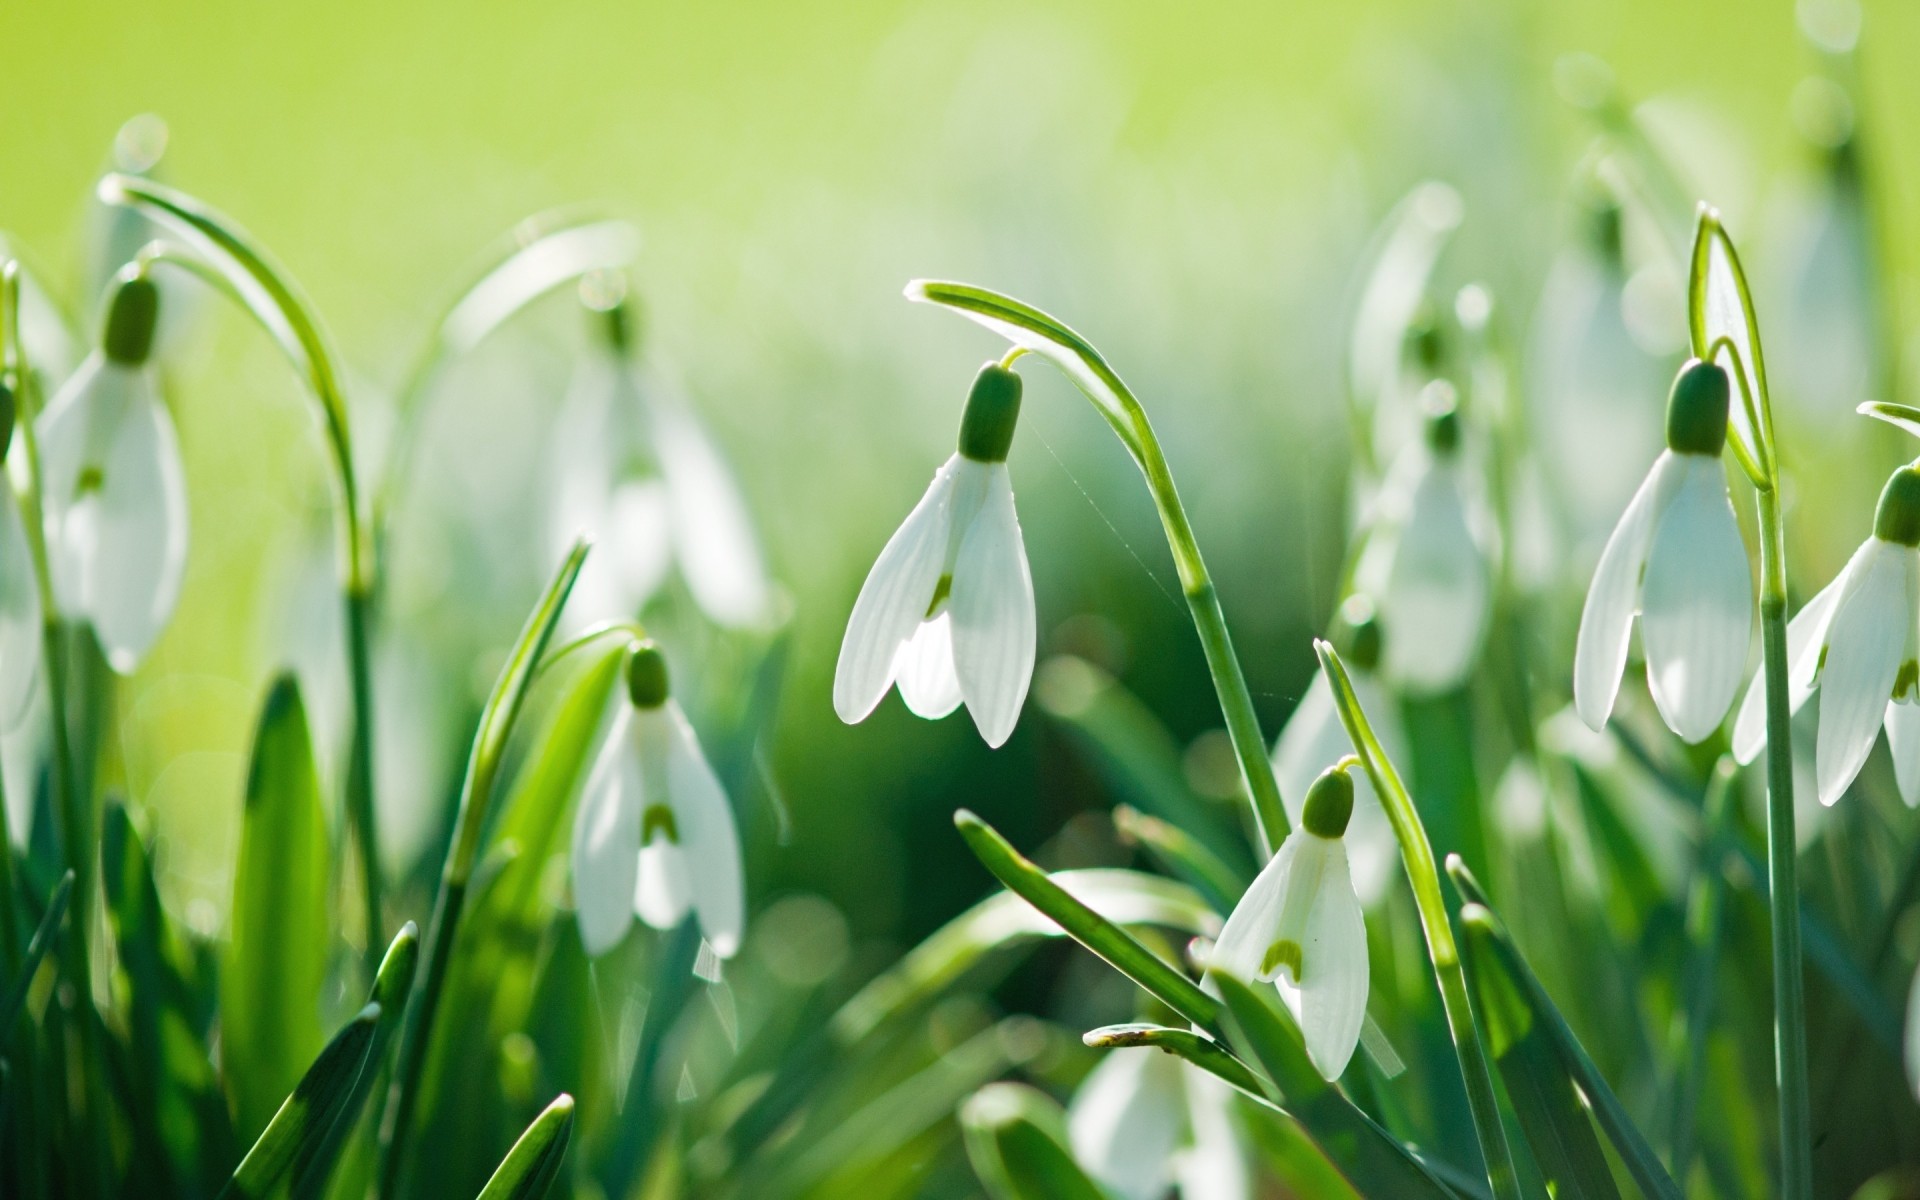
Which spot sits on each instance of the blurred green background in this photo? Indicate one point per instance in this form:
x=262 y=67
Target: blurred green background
x=1191 y=186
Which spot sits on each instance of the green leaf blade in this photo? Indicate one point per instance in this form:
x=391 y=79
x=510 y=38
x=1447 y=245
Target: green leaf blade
x=529 y=1169
x=307 y=1117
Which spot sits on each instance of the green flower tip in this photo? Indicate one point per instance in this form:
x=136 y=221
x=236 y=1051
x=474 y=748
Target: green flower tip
x=993 y=407
x=1897 y=519
x=1329 y=802
x=1697 y=410
x=133 y=310
x=1440 y=409
x=647 y=676
x=1356 y=634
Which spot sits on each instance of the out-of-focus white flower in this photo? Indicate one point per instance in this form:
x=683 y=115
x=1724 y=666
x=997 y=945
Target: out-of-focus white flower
x=654 y=834
x=1313 y=739
x=1858 y=642
x=1677 y=560
x=1300 y=925
x=1427 y=562
x=20 y=611
x=633 y=467
x=1144 y=1119
x=116 y=494
x=947 y=611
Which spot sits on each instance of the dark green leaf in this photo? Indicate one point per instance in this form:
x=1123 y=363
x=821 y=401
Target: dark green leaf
x=531 y=1166
x=1016 y=1139
x=37 y=948
x=319 y=1100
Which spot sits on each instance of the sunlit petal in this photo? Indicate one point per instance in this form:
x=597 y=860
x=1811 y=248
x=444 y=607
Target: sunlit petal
x=1864 y=647
x=713 y=530
x=1435 y=596
x=662 y=888
x=1697 y=603
x=1241 y=948
x=1600 y=654
x=893 y=601
x=606 y=840
x=20 y=614
x=709 y=841
x=1331 y=999
x=1903 y=741
x=924 y=670
x=1214 y=1164
x=1312 y=740
x=1806 y=635
x=993 y=617
x=1125 y=1121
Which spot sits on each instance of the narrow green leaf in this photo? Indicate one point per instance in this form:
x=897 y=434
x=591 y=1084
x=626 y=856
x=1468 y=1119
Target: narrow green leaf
x=1543 y=1093
x=282 y=929
x=1375 y=1162
x=37 y=947
x=531 y=1166
x=1903 y=416
x=1632 y=1146
x=1016 y=1140
x=1084 y=925
x=1198 y=1049
x=1184 y=855
x=309 y=1113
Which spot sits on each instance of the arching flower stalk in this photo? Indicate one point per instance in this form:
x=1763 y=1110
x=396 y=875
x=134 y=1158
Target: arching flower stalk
x=1858 y=642
x=1300 y=926
x=947 y=611
x=116 y=495
x=1677 y=561
x=654 y=834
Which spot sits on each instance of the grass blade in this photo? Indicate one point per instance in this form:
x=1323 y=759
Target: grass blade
x=1198 y=1049
x=276 y=960
x=1016 y=1140
x=533 y=1164
x=37 y=948
x=319 y=1101
x=1084 y=925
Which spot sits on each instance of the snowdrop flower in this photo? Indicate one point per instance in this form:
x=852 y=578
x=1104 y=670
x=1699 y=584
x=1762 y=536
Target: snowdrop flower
x=947 y=611
x=20 y=613
x=632 y=466
x=1313 y=738
x=1426 y=564
x=1858 y=642
x=655 y=834
x=1300 y=925
x=116 y=493
x=1144 y=1119
x=1676 y=559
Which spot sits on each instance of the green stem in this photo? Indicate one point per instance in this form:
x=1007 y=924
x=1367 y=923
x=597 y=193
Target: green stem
x=1705 y=901
x=1424 y=876
x=1783 y=884
x=360 y=812
x=1041 y=334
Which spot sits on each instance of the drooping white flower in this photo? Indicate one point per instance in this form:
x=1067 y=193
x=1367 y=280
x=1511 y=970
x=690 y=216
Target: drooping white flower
x=1427 y=560
x=1858 y=642
x=654 y=834
x=1677 y=560
x=633 y=466
x=947 y=611
x=116 y=495
x=1314 y=739
x=1144 y=1119
x=20 y=611
x=1300 y=925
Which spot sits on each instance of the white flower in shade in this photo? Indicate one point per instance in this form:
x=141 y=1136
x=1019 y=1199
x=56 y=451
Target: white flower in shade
x=947 y=611
x=1313 y=739
x=20 y=612
x=655 y=835
x=632 y=466
x=116 y=496
x=1858 y=642
x=1300 y=926
x=1144 y=1119
x=1676 y=558
x=1427 y=561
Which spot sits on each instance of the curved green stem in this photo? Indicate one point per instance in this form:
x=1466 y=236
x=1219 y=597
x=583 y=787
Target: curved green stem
x=1029 y=328
x=1424 y=875
x=247 y=275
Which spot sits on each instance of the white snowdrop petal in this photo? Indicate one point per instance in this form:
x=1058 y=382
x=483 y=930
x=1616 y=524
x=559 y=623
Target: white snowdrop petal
x=606 y=841
x=1214 y=1165
x=1696 y=618
x=992 y=611
x=1435 y=598
x=1241 y=948
x=713 y=529
x=709 y=839
x=20 y=615
x=1864 y=647
x=1333 y=984
x=74 y=432
x=141 y=531
x=1125 y=1121
x=631 y=540
x=924 y=670
x=662 y=888
x=1606 y=620
x=1312 y=740
x=1903 y=741
x=893 y=601
x=1806 y=634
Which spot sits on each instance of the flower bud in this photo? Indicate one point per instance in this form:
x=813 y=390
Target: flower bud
x=647 y=676
x=1697 y=410
x=993 y=407
x=132 y=313
x=1329 y=802
x=1897 y=519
